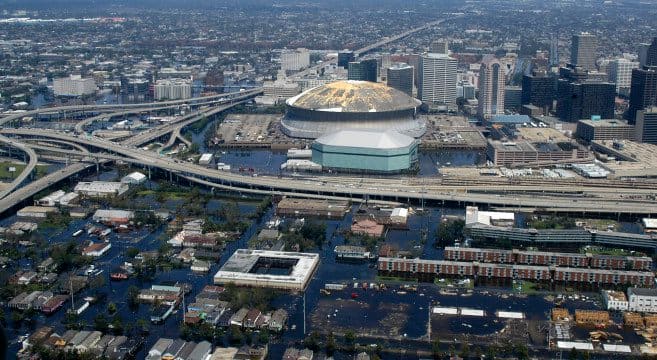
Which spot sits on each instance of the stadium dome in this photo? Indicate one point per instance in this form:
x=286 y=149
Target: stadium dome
x=350 y=104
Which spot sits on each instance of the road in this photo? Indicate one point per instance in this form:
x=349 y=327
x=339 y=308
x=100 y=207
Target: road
x=27 y=171
x=117 y=107
x=397 y=37
x=599 y=200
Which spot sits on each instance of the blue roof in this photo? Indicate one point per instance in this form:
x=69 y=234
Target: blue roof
x=510 y=119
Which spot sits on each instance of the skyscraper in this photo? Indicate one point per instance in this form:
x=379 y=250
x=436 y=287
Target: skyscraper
x=643 y=54
x=620 y=73
x=365 y=70
x=538 y=90
x=400 y=77
x=583 y=51
x=646 y=125
x=491 y=88
x=437 y=85
x=651 y=53
x=582 y=100
x=554 y=51
x=439 y=47
x=643 y=91
x=295 y=60
x=345 y=57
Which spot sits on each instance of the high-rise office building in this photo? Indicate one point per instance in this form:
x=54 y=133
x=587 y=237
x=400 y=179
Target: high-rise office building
x=491 y=88
x=172 y=89
x=583 y=100
x=512 y=97
x=643 y=54
x=295 y=60
x=345 y=57
x=646 y=125
x=651 y=53
x=620 y=73
x=75 y=85
x=643 y=91
x=439 y=47
x=437 y=82
x=365 y=70
x=400 y=77
x=583 y=51
x=538 y=90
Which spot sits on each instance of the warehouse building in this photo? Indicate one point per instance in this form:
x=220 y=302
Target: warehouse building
x=100 y=188
x=366 y=151
x=36 y=212
x=269 y=269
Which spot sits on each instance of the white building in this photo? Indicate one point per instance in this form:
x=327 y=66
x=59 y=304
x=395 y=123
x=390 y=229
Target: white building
x=134 y=178
x=74 y=85
x=437 y=79
x=280 y=90
x=615 y=300
x=96 y=249
x=105 y=215
x=52 y=199
x=36 y=212
x=642 y=300
x=206 y=159
x=100 y=188
x=172 y=89
x=620 y=73
x=295 y=60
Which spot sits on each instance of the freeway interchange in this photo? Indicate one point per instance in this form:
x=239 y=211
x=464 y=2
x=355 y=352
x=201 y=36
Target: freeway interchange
x=549 y=196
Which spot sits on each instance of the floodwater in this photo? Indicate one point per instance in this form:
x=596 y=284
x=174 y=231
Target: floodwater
x=370 y=309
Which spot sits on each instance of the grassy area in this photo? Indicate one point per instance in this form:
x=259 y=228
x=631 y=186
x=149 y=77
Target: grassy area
x=41 y=170
x=394 y=279
x=525 y=287
x=168 y=195
x=600 y=224
x=606 y=251
x=454 y=283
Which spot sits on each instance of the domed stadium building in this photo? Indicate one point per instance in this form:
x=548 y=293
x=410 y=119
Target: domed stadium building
x=351 y=105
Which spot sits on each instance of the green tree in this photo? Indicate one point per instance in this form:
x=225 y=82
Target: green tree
x=132 y=296
x=236 y=336
x=449 y=231
x=330 y=344
x=312 y=341
x=435 y=349
x=350 y=339
x=111 y=308
x=100 y=323
x=142 y=325
x=131 y=252
x=573 y=355
x=117 y=325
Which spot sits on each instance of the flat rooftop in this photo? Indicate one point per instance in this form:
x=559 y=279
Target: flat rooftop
x=274 y=269
x=541 y=134
x=605 y=123
x=644 y=158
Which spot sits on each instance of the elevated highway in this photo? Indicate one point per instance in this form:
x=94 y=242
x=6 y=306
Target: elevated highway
x=118 y=107
x=603 y=201
x=27 y=171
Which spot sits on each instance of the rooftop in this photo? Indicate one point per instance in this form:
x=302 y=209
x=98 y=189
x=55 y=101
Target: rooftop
x=367 y=139
x=604 y=123
x=353 y=96
x=244 y=267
